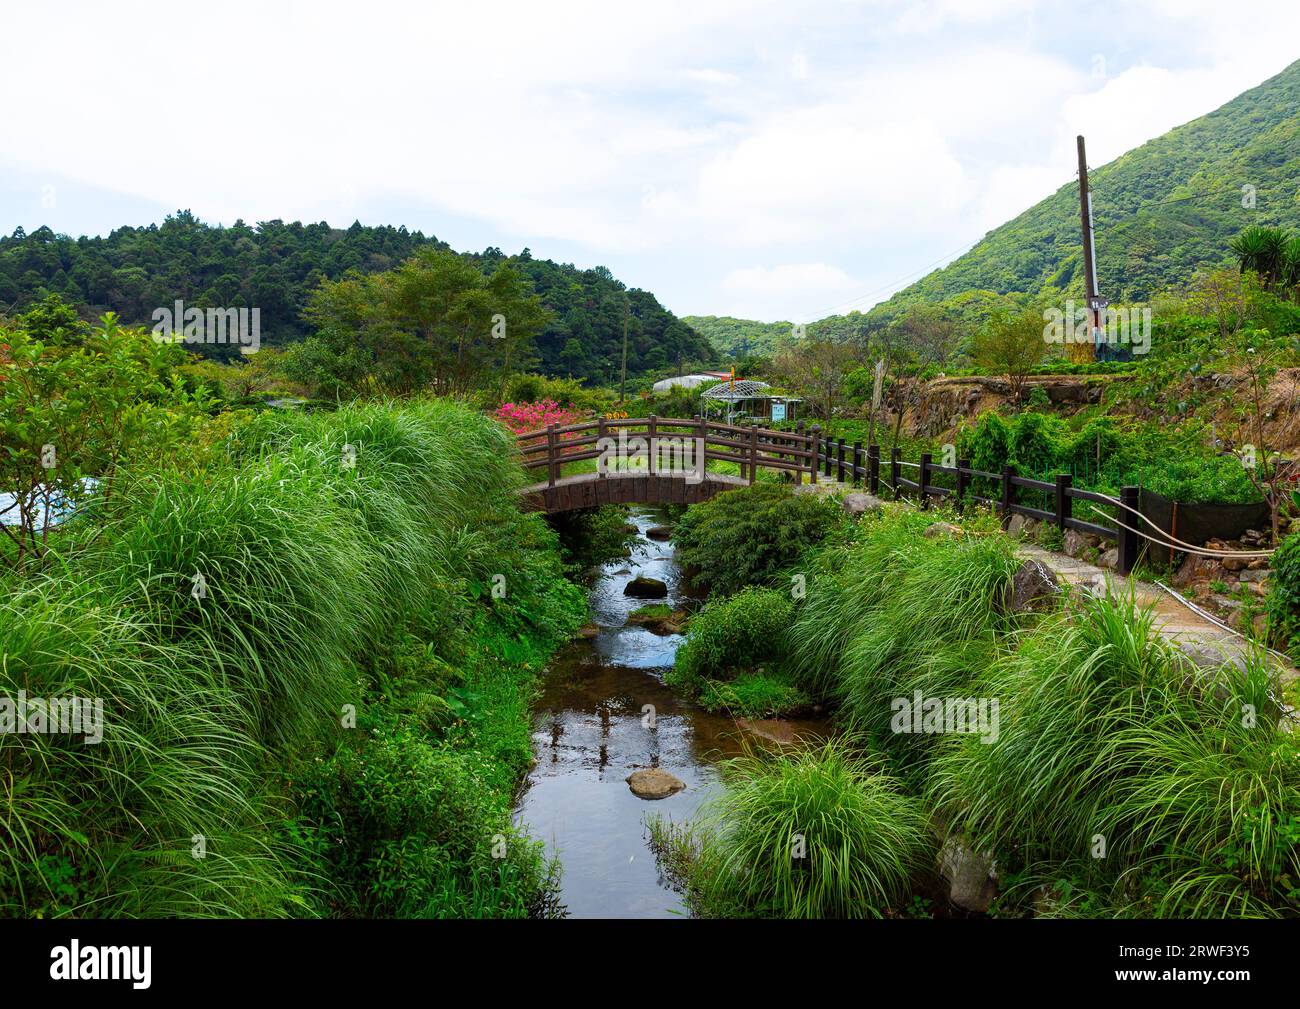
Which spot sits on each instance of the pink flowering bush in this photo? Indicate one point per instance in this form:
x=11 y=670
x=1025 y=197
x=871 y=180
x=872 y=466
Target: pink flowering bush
x=524 y=417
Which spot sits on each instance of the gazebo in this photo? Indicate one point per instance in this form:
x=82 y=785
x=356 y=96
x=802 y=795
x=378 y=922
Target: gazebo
x=750 y=398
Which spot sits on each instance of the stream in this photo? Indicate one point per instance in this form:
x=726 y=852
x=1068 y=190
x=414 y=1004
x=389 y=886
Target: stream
x=588 y=736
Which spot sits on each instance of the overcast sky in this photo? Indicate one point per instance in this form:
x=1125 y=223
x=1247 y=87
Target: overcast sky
x=767 y=160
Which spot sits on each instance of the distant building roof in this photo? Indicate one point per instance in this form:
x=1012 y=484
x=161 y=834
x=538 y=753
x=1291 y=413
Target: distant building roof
x=689 y=381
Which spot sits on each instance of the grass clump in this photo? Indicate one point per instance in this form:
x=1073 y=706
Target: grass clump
x=1127 y=781
x=816 y=833
x=755 y=694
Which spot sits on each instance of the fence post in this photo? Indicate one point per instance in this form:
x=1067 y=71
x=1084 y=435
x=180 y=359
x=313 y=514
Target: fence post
x=815 y=447
x=753 y=452
x=1064 y=503
x=1128 y=541
x=552 y=459
x=601 y=436
x=829 y=454
x=1008 y=493
x=650 y=443
x=963 y=483
x=923 y=481
x=801 y=444
x=701 y=444
x=873 y=469
x=894 y=470
x=858 y=472
x=839 y=461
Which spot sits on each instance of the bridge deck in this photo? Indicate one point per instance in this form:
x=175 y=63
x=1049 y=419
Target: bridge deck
x=589 y=490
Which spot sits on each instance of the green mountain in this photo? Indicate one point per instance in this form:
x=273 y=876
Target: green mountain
x=739 y=338
x=1160 y=211
x=274 y=266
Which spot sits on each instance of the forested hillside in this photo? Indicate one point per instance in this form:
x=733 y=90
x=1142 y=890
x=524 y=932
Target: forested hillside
x=275 y=266
x=739 y=338
x=1161 y=211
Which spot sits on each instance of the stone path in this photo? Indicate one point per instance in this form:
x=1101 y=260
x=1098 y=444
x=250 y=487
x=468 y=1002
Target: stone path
x=1193 y=633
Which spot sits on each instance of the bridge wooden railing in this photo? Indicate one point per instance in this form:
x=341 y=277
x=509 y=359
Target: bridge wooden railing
x=801 y=452
x=748 y=446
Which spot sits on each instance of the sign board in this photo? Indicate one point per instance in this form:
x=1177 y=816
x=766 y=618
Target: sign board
x=778 y=411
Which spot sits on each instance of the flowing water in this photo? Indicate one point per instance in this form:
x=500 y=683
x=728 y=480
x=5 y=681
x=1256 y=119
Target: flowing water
x=591 y=731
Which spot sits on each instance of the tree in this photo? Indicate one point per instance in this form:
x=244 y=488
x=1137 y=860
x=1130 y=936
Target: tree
x=1011 y=343
x=816 y=367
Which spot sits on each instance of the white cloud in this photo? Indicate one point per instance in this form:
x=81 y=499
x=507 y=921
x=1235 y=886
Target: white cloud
x=675 y=139
x=789 y=278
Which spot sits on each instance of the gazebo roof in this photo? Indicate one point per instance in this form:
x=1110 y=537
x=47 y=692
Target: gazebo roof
x=731 y=392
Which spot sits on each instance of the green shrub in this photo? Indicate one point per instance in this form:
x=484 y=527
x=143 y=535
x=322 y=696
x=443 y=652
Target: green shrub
x=731 y=634
x=751 y=536
x=811 y=834
x=1283 y=601
x=413 y=827
x=755 y=695
x=899 y=612
x=593 y=536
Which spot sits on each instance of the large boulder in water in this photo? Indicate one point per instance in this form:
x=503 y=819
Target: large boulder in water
x=654 y=783
x=660 y=533
x=642 y=587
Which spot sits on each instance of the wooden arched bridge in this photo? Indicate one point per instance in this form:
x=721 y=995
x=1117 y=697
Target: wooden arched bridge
x=657 y=460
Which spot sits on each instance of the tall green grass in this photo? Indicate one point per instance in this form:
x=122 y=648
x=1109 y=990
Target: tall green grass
x=898 y=612
x=816 y=833
x=1125 y=781
x=313 y=562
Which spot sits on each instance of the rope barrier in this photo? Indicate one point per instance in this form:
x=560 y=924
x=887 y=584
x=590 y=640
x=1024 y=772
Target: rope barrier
x=1169 y=540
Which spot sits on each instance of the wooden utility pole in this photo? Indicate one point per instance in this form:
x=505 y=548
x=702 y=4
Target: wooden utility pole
x=622 y=385
x=1096 y=304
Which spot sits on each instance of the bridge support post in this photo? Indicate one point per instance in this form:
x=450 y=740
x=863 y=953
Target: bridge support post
x=701 y=444
x=873 y=469
x=650 y=441
x=1129 y=542
x=753 y=453
x=801 y=444
x=601 y=472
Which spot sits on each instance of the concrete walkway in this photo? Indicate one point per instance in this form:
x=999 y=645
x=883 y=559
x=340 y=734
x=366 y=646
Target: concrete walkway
x=1189 y=630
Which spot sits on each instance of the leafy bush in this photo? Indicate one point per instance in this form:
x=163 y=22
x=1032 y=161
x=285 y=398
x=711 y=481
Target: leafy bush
x=813 y=834
x=592 y=536
x=730 y=634
x=1283 y=602
x=751 y=535
x=755 y=695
